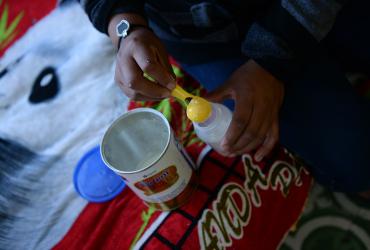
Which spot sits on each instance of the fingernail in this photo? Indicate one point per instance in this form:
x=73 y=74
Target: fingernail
x=165 y=94
x=172 y=82
x=171 y=85
x=258 y=157
x=226 y=149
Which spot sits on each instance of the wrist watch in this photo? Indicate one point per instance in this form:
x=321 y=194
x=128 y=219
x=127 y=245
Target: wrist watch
x=123 y=29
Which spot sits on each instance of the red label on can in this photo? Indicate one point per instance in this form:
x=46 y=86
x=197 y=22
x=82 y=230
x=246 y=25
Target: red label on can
x=158 y=182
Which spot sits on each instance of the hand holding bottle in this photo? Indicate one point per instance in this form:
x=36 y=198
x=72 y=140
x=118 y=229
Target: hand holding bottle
x=258 y=97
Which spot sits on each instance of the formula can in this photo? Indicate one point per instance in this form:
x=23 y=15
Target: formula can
x=140 y=147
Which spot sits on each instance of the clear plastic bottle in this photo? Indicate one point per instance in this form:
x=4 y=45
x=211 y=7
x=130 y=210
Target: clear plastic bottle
x=213 y=130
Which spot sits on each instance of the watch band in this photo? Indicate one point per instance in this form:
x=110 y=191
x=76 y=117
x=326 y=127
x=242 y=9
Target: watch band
x=132 y=27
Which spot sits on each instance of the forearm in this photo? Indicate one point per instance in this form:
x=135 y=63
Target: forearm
x=290 y=32
x=317 y=17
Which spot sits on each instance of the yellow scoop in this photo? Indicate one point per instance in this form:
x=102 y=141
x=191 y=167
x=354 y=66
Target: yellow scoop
x=198 y=109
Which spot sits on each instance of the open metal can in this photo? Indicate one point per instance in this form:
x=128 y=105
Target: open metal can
x=140 y=147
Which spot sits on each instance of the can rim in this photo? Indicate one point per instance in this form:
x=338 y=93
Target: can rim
x=137 y=110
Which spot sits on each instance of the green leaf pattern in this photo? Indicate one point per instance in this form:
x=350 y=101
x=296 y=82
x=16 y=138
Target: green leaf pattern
x=8 y=32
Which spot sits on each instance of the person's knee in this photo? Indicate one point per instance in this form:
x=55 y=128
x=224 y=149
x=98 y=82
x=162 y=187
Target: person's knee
x=349 y=173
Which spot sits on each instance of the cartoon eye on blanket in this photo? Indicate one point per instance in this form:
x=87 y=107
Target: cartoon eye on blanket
x=45 y=86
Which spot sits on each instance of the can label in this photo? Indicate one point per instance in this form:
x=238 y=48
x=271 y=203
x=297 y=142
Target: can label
x=159 y=182
x=169 y=182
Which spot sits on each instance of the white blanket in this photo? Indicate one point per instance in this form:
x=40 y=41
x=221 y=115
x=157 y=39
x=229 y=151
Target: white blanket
x=67 y=67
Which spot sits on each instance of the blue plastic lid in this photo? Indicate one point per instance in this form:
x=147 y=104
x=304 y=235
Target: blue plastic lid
x=94 y=181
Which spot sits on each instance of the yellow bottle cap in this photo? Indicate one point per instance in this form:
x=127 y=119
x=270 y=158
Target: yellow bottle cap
x=198 y=110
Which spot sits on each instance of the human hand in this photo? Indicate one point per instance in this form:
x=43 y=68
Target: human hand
x=258 y=97
x=142 y=52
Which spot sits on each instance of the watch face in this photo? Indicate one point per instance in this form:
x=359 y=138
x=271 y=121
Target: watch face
x=122 y=28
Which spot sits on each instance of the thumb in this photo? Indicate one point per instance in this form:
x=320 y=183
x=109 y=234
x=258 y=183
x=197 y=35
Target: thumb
x=219 y=94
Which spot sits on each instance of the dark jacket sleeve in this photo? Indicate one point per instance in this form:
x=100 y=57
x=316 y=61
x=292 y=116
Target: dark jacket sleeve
x=288 y=32
x=100 y=11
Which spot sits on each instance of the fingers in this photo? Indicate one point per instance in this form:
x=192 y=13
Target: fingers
x=250 y=125
x=131 y=77
x=137 y=96
x=151 y=61
x=269 y=143
x=219 y=94
x=144 y=53
x=241 y=118
x=258 y=97
x=255 y=133
x=162 y=57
